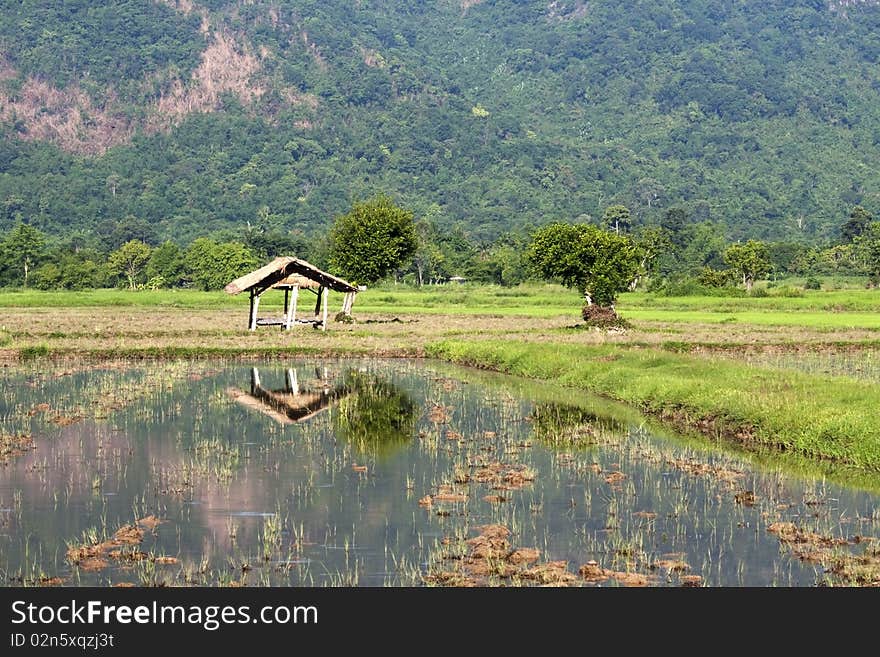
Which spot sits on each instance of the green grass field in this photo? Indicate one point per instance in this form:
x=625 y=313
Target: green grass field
x=838 y=308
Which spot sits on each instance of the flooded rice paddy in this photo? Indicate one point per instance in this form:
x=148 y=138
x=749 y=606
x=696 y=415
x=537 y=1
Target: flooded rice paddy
x=862 y=364
x=391 y=473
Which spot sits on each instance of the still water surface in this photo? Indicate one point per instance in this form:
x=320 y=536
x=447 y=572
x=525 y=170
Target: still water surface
x=364 y=472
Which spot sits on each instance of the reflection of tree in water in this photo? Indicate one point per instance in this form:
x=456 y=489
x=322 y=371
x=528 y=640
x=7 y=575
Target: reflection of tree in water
x=555 y=423
x=376 y=417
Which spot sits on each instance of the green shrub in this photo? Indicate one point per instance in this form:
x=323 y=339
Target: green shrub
x=33 y=352
x=690 y=287
x=786 y=291
x=709 y=277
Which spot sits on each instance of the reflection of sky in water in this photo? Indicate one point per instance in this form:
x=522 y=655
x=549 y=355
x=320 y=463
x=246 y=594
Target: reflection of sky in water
x=292 y=503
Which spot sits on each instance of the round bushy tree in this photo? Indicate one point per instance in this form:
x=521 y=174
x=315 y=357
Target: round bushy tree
x=749 y=260
x=598 y=263
x=617 y=218
x=130 y=260
x=372 y=240
x=211 y=265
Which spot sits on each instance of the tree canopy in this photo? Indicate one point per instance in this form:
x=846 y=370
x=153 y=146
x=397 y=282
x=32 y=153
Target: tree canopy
x=617 y=218
x=372 y=240
x=598 y=263
x=856 y=224
x=21 y=248
x=749 y=260
x=130 y=260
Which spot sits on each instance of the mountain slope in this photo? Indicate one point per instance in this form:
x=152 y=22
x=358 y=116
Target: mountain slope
x=192 y=116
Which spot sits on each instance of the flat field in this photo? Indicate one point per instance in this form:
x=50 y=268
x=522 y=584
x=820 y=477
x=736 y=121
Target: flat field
x=743 y=368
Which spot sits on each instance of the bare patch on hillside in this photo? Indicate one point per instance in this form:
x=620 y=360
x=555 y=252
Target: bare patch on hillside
x=467 y=4
x=74 y=121
x=226 y=67
x=566 y=11
x=183 y=6
x=843 y=5
x=67 y=117
x=372 y=58
x=316 y=55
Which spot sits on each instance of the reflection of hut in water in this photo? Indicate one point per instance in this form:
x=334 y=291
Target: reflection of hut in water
x=290 y=404
x=292 y=275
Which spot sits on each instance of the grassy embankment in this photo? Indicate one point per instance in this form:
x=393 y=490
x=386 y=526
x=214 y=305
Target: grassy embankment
x=527 y=331
x=818 y=416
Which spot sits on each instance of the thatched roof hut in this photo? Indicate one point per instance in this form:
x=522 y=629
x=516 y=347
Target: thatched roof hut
x=291 y=275
x=287 y=405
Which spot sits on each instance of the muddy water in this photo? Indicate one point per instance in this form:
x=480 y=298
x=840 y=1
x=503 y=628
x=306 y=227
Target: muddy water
x=344 y=473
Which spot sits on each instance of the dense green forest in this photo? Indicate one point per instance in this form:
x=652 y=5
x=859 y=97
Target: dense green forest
x=140 y=119
x=377 y=240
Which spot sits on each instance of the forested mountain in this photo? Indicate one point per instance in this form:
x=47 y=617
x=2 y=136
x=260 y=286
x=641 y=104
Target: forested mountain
x=140 y=118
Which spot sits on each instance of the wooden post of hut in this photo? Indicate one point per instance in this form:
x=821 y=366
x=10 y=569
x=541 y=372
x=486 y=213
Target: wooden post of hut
x=318 y=305
x=292 y=383
x=290 y=314
x=347 y=302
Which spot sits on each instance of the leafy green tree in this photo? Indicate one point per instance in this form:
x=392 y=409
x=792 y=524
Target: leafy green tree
x=47 y=277
x=70 y=271
x=83 y=271
x=13 y=208
x=375 y=238
x=784 y=255
x=715 y=277
x=22 y=248
x=113 y=234
x=704 y=246
x=428 y=262
x=511 y=263
x=749 y=260
x=617 y=218
x=598 y=263
x=673 y=222
x=460 y=254
x=856 y=224
x=868 y=245
x=167 y=263
x=211 y=265
x=130 y=260
x=267 y=238
x=376 y=418
x=653 y=243
x=844 y=259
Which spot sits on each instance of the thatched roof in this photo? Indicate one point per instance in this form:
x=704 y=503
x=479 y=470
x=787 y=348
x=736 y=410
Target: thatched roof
x=282 y=268
x=298 y=280
x=286 y=407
